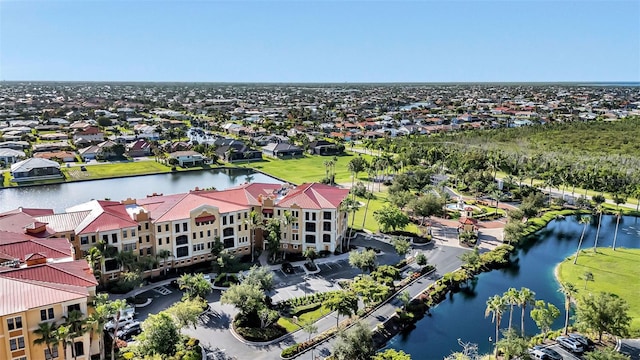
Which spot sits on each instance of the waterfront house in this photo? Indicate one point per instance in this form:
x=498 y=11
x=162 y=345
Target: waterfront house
x=281 y=150
x=187 y=158
x=323 y=147
x=35 y=169
x=139 y=148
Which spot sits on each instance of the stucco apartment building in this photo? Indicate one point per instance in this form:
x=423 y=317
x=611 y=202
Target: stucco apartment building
x=40 y=283
x=187 y=224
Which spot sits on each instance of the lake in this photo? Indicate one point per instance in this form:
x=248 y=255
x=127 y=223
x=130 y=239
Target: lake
x=461 y=316
x=62 y=196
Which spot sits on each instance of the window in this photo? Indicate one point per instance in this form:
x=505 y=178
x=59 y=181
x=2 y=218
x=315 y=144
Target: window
x=148 y=251
x=129 y=247
x=14 y=323
x=227 y=232
x=114 y=238
x=160 y=241
x=310 y=226
x=313 y=216
x=182 y=251
x=230 y=219
x=46 y=314
x=229 y=243
x=326 y=226
x=239 y=228
x=278 y=212
x=20 y=358
x=139 y=239
x=245 y=215
x=79 y=348
x=201 y=234
x=54 y=352
x=146 y=226
x=84 y=240
x=16 y=343
x=147 y=238
x=198 y=247
x=133 y=232
x=93 y=239
x=310 y=239
x=294 y=237
x=193 y=235
x=326 y=238
x=182 y=240
x=177 y=228
x=224 y=220
x=239 y=215
x=306 y=216
x=295 y=226
x=326 y=215
x=74 y=307
x=295 y=213
x=215 y=232
x=141 y=252
x=159 y=228
x=105 y=238
x=184 y=226
x=208 y=233
x=139 y=227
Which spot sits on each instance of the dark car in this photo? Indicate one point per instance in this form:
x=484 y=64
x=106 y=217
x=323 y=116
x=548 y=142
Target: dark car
x=287 y=268
x=129 y=331
x=83 y=168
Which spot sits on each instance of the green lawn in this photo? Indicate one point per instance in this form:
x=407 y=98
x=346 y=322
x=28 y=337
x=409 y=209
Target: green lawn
x=613 y=271
x=306 y=318
x=116 y=169
x=310 y=168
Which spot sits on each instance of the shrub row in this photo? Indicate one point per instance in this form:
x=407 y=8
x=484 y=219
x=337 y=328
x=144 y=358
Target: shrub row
x=303 y=309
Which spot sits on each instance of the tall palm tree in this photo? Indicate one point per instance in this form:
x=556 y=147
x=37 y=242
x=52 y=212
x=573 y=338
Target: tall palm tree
x=116 y=308
x=599 y=211
x=585 y=221
x=525 y=297
x=63 y=334
x=47 y=333
x=254 y=221
x=496 y=307
x=76 y=324
x=95 y=259
x=350 y=205
x=511 y=298
x=95 y=322
x=569 y=291
x=615 y=234
x=126 y=259
x=164 y=255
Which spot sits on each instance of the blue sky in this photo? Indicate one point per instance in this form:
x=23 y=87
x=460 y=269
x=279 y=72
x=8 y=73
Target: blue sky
x=326 y=41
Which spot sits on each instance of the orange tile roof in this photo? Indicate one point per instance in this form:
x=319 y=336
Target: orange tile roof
x=18 y=295
x=19 y=245
x=314 y=196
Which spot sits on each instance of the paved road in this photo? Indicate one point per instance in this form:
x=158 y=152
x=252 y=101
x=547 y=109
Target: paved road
x=214 y=331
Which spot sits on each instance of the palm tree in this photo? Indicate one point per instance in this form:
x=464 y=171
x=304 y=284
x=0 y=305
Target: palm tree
x=585 y=221
x=350 y=205
x=497 y=194
x=116 y=308
x=254 y=221
x=95 y=259
x=496 y=307
x=511 y=299
x=599 y=211
x=525 y=297
x=344 y=303
x=164 y=255
x=569 y=291
x=95 y=322
x=126 y=259
x=615 y=234
x=63 y=334
x=48 y=335
x=76 y=324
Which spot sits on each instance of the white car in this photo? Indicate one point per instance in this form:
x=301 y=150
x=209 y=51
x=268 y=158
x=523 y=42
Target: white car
x=124 y=321
x=570 y=344
x=586 y=343
x=207 y=277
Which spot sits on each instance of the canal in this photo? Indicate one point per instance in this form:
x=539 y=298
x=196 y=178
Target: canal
x=461 y=316
x=62 y=196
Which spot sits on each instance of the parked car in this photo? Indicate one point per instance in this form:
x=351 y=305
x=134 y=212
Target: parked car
x=124 y=321
x=570 y=344
x=129 y=331
x=207 y=277
x=548 y=353
x=287 y=268
x=585 y=341
x=537 y=354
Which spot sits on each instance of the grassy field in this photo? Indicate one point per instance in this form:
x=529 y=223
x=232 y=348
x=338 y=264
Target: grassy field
x=306 y=318
x=114 y=170
x=307 y=169
x=613 y=271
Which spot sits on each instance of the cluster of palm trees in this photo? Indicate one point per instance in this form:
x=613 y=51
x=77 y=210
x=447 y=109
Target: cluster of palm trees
x=330 y=169
x=76 y=325
x=497 y=305
x=271 y=229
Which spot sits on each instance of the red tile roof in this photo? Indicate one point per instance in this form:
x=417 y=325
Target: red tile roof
x=18 y=295
x=73 y=273
x=19 y=245
x=314 y=196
